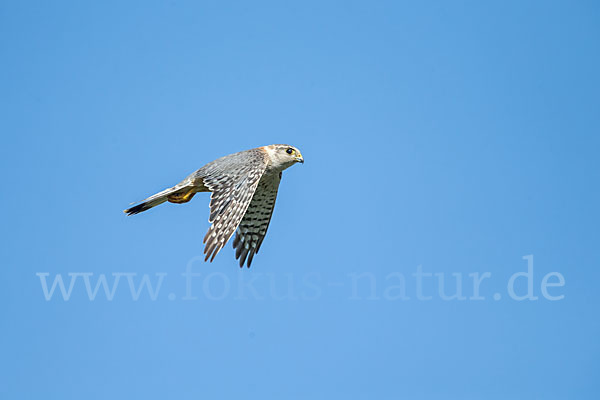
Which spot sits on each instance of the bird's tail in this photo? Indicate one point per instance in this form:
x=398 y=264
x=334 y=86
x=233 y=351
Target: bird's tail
x=176 y=194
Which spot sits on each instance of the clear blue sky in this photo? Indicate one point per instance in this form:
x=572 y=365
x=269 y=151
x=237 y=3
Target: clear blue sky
x=441 y=137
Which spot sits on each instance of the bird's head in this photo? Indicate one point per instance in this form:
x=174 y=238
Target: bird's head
x=283 y=156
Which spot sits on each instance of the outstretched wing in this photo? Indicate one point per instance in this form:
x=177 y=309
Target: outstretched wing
x=232 y=180
x=253 y=228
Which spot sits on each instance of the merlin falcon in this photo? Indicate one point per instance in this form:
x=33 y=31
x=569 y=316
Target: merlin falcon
x=244 y=187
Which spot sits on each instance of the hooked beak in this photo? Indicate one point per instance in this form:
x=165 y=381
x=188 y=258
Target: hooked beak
x=300 y=159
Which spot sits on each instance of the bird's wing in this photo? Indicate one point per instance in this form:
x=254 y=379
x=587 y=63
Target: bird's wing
x=232 y=181
x=253 y=228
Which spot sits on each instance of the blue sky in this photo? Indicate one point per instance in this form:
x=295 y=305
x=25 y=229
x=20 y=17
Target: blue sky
x=451 y=138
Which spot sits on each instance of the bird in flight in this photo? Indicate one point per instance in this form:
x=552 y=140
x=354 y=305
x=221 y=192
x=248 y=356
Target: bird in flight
x=244 y=188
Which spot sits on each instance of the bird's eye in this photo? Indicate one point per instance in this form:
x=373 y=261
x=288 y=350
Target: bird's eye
x=289 y=151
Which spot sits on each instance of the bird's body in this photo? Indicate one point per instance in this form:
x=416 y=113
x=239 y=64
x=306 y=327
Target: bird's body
x=244 y=188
